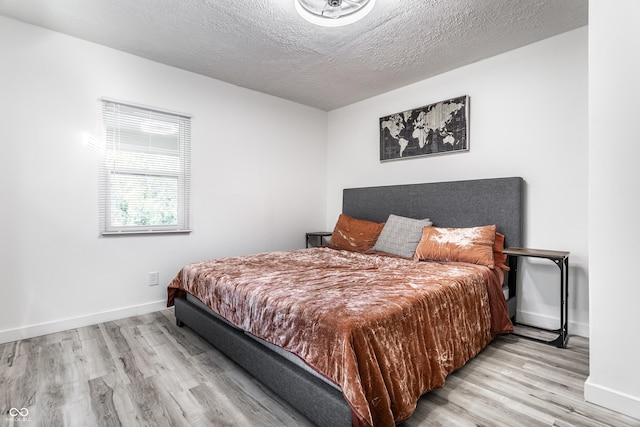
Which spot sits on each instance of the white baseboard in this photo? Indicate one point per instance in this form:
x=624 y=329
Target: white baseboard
x=612 y=399
x=549 y=322
x=78 y=322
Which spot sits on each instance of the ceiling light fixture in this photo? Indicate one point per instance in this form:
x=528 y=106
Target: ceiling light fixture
x=333 y=13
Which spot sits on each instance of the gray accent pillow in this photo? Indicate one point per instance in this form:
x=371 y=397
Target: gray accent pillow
x=400 y=235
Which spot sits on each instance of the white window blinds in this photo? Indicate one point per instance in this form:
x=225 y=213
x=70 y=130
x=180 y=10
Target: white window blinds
x=145 y=173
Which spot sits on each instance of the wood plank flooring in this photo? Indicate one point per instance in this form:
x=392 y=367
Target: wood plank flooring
x=145 y=371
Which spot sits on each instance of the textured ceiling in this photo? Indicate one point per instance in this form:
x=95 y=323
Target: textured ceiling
x=265 y=46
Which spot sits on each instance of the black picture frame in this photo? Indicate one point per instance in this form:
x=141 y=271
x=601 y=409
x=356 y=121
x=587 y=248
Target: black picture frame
x=438 y=128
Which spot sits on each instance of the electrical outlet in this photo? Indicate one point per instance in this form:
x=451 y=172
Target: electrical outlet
x=154 y=278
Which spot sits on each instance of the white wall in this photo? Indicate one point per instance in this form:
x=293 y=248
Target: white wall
x=614 y=175
x=528 y=118
x=258 y=182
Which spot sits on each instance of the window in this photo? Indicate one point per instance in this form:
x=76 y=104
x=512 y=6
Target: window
x=145 y=173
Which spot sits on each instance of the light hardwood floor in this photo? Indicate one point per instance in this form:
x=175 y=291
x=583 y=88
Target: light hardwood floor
x=145 y=371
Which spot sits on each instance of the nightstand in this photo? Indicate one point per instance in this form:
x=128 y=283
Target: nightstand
x=561 y=259
x=317 y=237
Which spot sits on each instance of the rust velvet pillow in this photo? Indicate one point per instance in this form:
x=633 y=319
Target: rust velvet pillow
x=499 y=258
x=473 y=245
x=353 y=234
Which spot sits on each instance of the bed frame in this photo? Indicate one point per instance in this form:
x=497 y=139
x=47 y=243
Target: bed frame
x=447 y=204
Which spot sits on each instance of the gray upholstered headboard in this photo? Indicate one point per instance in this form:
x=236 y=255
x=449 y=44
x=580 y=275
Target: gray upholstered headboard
x=447 y=204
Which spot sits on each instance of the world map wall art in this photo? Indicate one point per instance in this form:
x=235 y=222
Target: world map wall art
x=437 y=128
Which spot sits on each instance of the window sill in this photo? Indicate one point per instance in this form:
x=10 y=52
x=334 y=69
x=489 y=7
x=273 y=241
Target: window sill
x=142 y=232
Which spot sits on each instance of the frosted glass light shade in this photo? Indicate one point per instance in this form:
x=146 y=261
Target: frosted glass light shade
x=333 y=13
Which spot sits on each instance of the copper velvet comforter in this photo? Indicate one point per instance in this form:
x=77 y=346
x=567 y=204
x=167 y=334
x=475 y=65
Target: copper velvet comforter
x=384 y=329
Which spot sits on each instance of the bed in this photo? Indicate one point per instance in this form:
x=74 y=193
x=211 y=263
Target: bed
x=357 y=378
